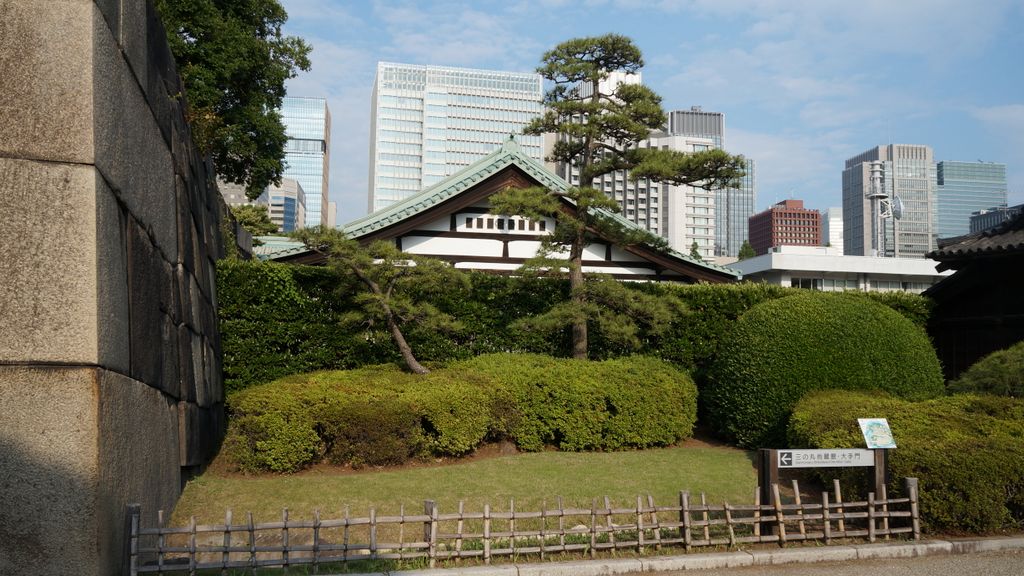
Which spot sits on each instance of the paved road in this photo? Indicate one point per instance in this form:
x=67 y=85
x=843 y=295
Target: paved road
x=1005 y=563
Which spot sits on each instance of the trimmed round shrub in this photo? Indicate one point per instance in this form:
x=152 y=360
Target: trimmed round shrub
x=781 y=349
x=271 y=442
x=576 y=405
x=967 y=452
x=1000 y=373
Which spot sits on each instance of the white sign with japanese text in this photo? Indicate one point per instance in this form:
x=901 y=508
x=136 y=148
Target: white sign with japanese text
x=827 y=458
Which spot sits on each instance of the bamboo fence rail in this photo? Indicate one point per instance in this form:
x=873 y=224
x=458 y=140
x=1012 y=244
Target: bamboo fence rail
x=487 y=534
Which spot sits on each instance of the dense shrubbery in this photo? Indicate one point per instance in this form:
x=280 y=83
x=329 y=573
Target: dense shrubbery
x=379 y=415
x=632 y=402
x=967 y=451
x=781 y=349
x=1000 y=373
x=278 y=320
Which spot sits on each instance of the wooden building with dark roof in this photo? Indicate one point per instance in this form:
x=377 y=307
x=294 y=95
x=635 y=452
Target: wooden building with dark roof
x=980 y=308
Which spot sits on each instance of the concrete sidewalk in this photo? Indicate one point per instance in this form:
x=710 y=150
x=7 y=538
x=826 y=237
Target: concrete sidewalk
x=760 y=557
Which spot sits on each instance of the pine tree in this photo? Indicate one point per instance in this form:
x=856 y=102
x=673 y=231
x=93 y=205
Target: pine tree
x=397 y=285
x=599 y=128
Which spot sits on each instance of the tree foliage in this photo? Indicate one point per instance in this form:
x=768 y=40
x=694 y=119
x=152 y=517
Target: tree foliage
x=746 y=251
x=234 y=61
x=254 y=218
x=695 y=251
x=397 y=286
x=598 y=128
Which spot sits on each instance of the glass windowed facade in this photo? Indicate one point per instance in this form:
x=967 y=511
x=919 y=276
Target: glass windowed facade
x=964 y=188
x=909 y=173
x=286 y=204
x=307 y=123
x=429 y=122
x=715 y=220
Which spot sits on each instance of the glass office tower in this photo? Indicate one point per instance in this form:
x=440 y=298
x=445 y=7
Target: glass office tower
x=908 y=173
x=429 y=122
x=965 y=188
x=307 y=123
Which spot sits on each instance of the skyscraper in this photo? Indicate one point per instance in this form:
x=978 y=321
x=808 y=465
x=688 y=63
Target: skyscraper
x=733 y=206
x=307 y=123
x=906 y=171
x=429 y=122
x=286 y=204
x=964 y=188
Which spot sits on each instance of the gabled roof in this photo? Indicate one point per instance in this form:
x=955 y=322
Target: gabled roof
x=1005 y=239
x=509 y=155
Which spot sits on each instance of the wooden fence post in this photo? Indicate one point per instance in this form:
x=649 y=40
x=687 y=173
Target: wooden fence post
x=911 y=490
x=684 y=514
x=226 y=556
x=132 y=512
x=826 y=521
x=839 y=507
x=284 y=536
x=800 y=507
x=779 y=516
x=871 y=517
x=487 y=533
x=432 y=532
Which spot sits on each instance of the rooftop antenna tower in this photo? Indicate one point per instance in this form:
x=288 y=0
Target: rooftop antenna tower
x=883 y=207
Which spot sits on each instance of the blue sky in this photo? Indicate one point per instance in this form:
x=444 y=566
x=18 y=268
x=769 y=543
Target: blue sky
x=804 y=84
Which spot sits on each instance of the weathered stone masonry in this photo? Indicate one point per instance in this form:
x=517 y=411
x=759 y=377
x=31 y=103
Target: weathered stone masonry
x=110 y=377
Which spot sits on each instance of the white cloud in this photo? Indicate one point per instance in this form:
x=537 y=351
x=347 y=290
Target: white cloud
x=793 y=166
x=1006 y=124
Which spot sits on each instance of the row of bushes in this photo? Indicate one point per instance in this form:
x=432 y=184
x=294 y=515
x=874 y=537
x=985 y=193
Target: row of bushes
x=967 y=451
x=278 y=320
x=380 y=416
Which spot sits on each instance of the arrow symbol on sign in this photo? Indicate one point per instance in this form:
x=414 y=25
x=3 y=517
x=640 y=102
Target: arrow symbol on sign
x=785 y=458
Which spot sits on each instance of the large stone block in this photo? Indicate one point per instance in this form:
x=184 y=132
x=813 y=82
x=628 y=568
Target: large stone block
x=138 y=458
x=130 y=150
x=61 y=269
x=49 y=459
x=114 y=348
x=46 y=105
x=144 y=300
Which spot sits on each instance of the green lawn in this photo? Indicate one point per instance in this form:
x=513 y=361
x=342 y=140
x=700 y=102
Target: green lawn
x=725 y=474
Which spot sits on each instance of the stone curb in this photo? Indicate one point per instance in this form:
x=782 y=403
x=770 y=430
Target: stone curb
x=712 y=560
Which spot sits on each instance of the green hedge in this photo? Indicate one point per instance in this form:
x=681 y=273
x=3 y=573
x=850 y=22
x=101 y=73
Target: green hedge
x=633 y=402
x=378 y=416
x=1000 y=373
x=282 y=319
x=967 y=451
x=783 y=348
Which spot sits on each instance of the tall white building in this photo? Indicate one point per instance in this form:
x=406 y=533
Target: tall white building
x=681 y=214
x=832 y=228
x=429 y=122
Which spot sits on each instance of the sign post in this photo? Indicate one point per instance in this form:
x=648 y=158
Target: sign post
x=770 y=461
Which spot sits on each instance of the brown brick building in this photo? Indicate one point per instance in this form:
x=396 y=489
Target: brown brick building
x=786 y=223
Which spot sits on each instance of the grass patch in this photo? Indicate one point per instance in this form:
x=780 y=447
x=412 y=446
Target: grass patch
x=725 y=474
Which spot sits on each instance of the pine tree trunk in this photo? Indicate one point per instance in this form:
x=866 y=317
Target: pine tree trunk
x=580 y=345
x=411 y=364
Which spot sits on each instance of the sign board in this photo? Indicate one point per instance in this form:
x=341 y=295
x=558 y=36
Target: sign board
x=876 y=432
x=828 y=458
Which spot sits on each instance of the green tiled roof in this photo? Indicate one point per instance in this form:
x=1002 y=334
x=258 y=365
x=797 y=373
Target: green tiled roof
x=274 y=247
x=510 y=153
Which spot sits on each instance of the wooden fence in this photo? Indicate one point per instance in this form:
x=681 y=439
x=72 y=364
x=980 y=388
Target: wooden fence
x=487 y=534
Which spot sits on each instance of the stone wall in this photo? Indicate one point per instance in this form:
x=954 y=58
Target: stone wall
x=110 y=373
